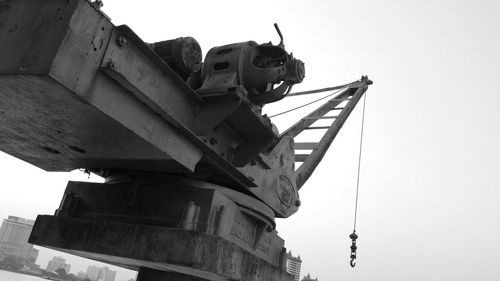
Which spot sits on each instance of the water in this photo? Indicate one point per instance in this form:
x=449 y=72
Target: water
x=11 y=276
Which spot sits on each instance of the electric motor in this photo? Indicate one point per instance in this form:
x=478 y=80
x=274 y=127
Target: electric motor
x=183 y=55
x=266 y=72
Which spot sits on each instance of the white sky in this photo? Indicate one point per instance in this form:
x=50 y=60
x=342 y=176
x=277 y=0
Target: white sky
x=429 y=194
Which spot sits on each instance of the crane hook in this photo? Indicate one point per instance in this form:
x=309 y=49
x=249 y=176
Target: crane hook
x=353 y=262
x=353 y=237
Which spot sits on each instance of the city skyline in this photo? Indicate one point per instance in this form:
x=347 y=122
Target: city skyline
x=95 y=273
x=58 y=259
x=58 y=263
x=14 y=234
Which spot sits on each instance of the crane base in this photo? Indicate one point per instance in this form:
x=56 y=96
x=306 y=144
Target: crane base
x=171 y=225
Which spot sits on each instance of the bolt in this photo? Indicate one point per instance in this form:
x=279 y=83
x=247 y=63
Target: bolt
x=122 y=41
x=213 y=141
x=113 y=65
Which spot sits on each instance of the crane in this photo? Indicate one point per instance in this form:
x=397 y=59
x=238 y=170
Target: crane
x=195 y=174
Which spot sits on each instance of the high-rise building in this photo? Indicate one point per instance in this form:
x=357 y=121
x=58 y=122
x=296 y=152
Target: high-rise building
x=111 y=275
x=14 y=234
x=106 y=275
x=95 y=273
x=293 y=265
x=58 y=263
x=309 y=278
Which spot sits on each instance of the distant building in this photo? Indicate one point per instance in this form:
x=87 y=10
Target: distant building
x=293 y=265
x=111 y=275
x=14 y=234
x=81 y=275
x=106 y=275
x=95 y=273
x=58 y=263
x=308 y=278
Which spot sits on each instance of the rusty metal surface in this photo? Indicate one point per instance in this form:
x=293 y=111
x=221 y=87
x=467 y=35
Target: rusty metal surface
x=30 y=33
x=167 y=201
x=120 y=106
x=131 y=68
x=273 y=172
x=43 y=124
x=81 y=40
x=82 y=49
x=46 y=118
x=169 y=224
x=147 y=274
x=133 y=246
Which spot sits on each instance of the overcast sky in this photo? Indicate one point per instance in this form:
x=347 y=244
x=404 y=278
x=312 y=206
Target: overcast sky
x=429 y=194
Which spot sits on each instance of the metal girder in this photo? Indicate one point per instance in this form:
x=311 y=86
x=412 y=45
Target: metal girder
x=310 y=161
x=306 y=145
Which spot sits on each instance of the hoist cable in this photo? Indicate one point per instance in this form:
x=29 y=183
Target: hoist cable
x=359 y=162
x=309 y=103
x=353 y=235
